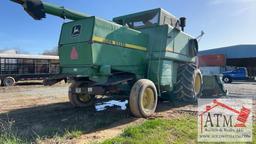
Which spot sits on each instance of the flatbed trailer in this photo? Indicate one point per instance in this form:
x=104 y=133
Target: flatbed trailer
x=18 y=67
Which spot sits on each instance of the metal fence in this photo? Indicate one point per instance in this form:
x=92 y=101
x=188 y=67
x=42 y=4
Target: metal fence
x=19 y=66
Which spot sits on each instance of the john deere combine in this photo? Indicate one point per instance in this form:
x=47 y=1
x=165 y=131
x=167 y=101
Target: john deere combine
x=142 y=56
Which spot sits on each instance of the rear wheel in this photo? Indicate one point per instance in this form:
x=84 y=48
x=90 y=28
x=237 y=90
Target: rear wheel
x=189 y=83
x=9 y=81
x=143 y=98
x=80 y=100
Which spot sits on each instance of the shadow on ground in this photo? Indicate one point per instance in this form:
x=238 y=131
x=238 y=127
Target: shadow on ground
x=28 y=83
x=55 y=119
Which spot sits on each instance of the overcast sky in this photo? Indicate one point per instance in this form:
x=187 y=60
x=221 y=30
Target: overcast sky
x=225 y=22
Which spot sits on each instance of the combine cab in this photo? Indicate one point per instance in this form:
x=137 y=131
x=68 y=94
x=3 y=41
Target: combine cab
x=141 y=56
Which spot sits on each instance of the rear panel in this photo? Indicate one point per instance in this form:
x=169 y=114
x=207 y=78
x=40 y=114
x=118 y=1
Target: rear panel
x=74 y=46
x=72 y=59
x=76 y=54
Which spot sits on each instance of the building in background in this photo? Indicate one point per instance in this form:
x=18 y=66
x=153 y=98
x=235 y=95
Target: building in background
x=212 y=64
x=216 y=61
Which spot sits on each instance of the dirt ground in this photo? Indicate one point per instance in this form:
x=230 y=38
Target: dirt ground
x=45 y=112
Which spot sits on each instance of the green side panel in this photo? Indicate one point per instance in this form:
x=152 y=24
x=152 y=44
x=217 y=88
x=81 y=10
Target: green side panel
x=157 y=37
x=171 y=43
x=163 y=72
x=178 y=41
x=119 y=58
x=113 y=31
x=158 y=68
x=104 y=54
x=168 y=73
x=86 y=30
x=154 y=71
x=168 y=47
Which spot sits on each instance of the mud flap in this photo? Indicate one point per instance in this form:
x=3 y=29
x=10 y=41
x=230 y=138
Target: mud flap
x=213 y=87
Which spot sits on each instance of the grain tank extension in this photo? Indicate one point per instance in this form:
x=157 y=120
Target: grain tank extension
x=142 y=57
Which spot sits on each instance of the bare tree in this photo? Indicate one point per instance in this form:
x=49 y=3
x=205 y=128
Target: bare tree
x=13 y=50
x=53 y=51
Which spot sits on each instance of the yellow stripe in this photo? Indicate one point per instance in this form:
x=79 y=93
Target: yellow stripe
x=121 y=44
x=135 y=47
x=97 y=39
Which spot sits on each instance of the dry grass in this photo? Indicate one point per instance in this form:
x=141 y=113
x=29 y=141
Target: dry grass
x=8 y=135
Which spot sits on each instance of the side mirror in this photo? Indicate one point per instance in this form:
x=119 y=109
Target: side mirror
x=182 y=23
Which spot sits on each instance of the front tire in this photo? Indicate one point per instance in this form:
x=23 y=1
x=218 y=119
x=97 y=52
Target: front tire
x=80 y=100
x=143 y=98
x=189 y=83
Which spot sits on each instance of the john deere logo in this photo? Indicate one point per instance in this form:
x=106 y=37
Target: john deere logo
x=73 y=54
x=76 y=30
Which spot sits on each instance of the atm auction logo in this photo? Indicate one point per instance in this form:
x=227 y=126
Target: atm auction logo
x=225 y=120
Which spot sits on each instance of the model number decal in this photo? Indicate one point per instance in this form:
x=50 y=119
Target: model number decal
x=118 y=43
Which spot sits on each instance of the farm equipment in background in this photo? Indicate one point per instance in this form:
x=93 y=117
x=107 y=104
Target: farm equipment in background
x=213 y=87
x=145 y=55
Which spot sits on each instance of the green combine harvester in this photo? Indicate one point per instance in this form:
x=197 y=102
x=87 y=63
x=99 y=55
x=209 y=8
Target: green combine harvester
x=143 y=56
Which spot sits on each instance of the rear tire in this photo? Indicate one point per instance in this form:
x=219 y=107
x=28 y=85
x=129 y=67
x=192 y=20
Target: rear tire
x=9 y=81
x=143 y=98
x=189 y=83
x=80 y=100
